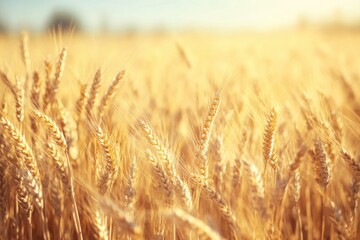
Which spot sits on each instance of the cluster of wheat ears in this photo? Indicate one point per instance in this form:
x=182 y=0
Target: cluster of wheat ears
x=74 y=169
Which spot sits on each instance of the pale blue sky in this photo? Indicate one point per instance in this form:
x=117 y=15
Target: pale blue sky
x=180 y=14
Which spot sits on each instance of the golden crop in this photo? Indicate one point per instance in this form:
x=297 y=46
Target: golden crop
x=214 y=136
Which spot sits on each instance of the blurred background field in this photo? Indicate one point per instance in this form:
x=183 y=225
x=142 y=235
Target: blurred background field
x=196 y=62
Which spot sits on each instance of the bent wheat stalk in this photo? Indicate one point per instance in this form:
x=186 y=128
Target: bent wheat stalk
x=63 y=168
x=65 y=173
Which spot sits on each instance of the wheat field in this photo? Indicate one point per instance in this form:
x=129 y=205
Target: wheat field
x=188 y=136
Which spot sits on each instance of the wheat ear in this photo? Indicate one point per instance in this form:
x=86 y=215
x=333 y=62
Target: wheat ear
x=219 y=166
x=119 y=216
x=100 y=225
x=56 y=134
x=35 y=90
x=34 y=188
x=202 y=148
x=22 y=194
x=22 y=147
x=256 y=188
x=236 y=173
x=59 y=72
x=25 y=56
x=322 y=175
x=63 y=168
x=183 y=55
x=159 y=147
x=159 y=172
x=6 y=81
x=352 y=163
x=183 y=192
x=109 y=172
x=167 y=161
x=96 y=84
x=79 y=105
x=269 y=156
x=321 y=164
x=130 y=190
x=110 y=93
x=201 y=228
x=355 y=168
x=221 y=205
x=19 y=101
x=337 y=218
x=48 y=83
x=35 y=100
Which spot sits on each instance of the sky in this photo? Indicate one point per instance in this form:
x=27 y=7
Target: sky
x=179 y=14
